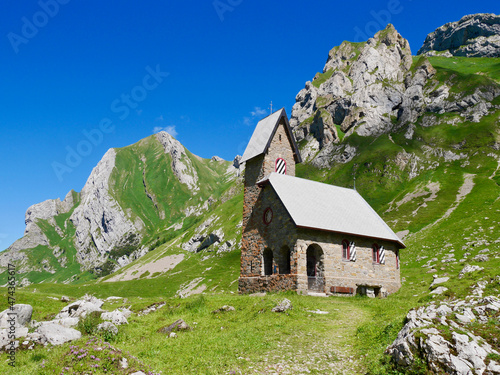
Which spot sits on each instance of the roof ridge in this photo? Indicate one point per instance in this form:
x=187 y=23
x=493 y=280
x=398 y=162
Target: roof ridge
x=313 y=181
x=322 y=206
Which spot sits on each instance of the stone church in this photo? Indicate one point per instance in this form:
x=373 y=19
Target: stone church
x=304 y=235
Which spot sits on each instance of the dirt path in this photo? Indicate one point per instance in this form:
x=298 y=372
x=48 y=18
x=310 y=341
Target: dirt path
x=329 y=353
x=463 y=191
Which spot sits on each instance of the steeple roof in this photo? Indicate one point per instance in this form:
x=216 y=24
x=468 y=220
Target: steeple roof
x=263 y=134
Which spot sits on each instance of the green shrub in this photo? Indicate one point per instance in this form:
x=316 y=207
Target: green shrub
x=88 y=324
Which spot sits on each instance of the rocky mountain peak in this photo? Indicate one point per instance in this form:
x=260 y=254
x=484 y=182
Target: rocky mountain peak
x=373 y=88
x=474 y=35
x=361 y=87
x=100 y=221
x=181 y=165
x=47 y=210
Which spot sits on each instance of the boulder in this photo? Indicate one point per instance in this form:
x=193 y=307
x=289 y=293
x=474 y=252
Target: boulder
x=107 y=327
x=57 y=334
x=223 y=309
x=439 y=290
x=178 y=325
x=5 y=340
x=468 y=269
x=439 y=280
x=283 y=306
x=481 y=258
x=116 y=317
x=20 y=312
x=81 y=308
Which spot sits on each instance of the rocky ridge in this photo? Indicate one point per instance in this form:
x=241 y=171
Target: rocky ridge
x=99 y=220
x=96 y=222
x=360 y=84
x=474 y=35
x=33 y=235
x=181 y=165
x=373 y=88
x=443 y=336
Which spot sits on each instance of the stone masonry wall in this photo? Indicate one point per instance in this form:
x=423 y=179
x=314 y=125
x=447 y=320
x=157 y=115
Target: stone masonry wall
x=344 y=273
x=273 y=283
x=280 y=147
x=277 y=235
x=256 y=235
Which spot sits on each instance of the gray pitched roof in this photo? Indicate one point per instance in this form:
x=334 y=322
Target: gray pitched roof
x=263 y=133
x=316 y=205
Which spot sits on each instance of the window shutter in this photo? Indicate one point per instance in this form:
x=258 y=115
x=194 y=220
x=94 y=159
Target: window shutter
x=352 y=250
x=280 y=166
x=382 y=255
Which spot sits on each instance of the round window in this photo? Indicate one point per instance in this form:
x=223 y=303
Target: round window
x=268 y=215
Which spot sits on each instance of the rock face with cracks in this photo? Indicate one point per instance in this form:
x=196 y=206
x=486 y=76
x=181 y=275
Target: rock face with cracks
x=443 y=337
x=474 y=35
x=374 y=88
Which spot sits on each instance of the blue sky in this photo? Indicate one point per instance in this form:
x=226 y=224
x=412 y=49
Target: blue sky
x=80 y=77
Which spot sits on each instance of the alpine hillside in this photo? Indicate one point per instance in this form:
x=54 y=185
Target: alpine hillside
x=157 y=229
x=136 y=198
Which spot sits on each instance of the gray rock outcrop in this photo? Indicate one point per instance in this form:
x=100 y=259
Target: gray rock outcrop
x=56 y=334
x=181 y=164
x=47 y=210
x=282 y=306
x=99 y=220
x=474 y=35
x=178 y=325
x=20 y=314
x=81 y=308
x=456 y=350
x=374 y=88
x=116 y=317
x=108 y=327
x=363 y=84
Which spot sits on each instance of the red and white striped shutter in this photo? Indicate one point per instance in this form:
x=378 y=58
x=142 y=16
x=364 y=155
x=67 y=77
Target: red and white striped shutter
x=382 y=255
x=280 y=166
x=352 y=251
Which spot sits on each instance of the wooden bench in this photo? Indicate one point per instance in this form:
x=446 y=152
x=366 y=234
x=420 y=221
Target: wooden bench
x=341 y=290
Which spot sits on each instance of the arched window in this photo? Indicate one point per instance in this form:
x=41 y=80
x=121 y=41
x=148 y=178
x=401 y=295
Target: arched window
x=376 y=253
x=345 y=250
x=284 y=265
x=280 y=166
x=268 y=261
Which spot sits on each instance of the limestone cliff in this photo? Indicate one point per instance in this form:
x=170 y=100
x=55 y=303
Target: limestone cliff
x=134 y=198
x=475 y=35
x=99 y=220
x=373 y=88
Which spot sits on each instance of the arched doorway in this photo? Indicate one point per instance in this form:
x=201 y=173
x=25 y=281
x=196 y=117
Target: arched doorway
x=315 y=268
x=268 y=261
x=284 y=261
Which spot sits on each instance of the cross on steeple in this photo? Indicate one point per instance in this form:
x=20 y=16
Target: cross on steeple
x=271 y=107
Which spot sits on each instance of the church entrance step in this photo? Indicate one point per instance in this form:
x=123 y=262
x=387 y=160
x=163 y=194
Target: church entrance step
x=316 y=294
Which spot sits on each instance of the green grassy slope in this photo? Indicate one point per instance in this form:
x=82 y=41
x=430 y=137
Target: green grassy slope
x=451 y=210
x=145 y=186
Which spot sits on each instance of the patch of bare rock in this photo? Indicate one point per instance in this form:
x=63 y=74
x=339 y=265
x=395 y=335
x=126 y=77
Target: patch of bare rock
x=17 y=329
x=447 y=336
